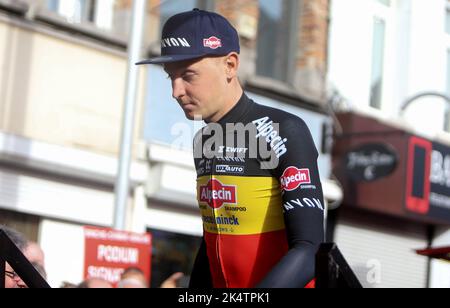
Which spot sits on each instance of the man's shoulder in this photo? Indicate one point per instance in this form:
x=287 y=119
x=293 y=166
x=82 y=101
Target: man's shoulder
x=265 y=114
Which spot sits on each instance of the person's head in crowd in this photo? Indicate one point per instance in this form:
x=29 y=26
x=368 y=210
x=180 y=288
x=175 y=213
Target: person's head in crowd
x=12 y=280
x=133 y=278
x=34 y=253
x=95 y=283
x=41 y=271
x=68 y=285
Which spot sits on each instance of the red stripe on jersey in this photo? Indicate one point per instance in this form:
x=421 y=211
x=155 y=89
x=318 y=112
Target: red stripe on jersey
x=243 y=261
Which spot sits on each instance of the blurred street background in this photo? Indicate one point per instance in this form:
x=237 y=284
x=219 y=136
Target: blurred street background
x=371 y=78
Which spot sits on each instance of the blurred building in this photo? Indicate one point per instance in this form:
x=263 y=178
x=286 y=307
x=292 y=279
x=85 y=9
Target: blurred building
x=62 y=84
x=392 y=156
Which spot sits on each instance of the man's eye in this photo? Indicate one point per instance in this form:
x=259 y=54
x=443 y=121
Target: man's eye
x=188 y=76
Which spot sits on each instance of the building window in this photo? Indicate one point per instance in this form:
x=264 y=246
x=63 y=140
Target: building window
x=24 y=223
x=52 y=5
x=93 y=12
x=385 y=2
x=447 y=105
x=447 y=19
x=276 y=43
x=378 y=48
x=75 y=11
x=169 y=8
x=447 y=90
x=382 y=25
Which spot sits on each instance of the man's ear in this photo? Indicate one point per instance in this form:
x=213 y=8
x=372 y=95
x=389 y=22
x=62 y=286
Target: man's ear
x=232 y=65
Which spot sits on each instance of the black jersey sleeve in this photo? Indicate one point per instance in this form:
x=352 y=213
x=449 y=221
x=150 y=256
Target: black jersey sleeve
x=201 y=275
x=303 y=207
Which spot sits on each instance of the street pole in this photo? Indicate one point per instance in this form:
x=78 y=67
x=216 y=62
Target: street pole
x=122 y=187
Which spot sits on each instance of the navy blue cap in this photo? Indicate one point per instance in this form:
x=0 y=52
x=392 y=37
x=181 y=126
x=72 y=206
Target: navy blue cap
x=196 y=34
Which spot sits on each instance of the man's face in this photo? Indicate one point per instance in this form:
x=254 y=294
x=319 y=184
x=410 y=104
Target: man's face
x=11 y=279
x=199 y=86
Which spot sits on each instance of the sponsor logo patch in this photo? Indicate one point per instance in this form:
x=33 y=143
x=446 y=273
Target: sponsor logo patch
x=267 y=130
x=293 y=177
x=212 y=42
x=223 y=149
x=215 y=194
x=230 y=169
x=304 y=203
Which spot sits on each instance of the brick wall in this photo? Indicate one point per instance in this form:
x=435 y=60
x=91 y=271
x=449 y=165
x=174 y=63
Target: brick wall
x=313 y=34
x=312 y=37
x=310 y=77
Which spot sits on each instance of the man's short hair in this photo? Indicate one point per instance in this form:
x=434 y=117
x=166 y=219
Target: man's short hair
x=132 y=270
x=133 y=277
x=16 y=237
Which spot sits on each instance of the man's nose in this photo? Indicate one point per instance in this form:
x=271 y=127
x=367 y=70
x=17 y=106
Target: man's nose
x=178 y=89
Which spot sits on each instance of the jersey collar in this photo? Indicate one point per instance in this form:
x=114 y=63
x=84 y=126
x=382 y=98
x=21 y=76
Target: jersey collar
x=238 y=113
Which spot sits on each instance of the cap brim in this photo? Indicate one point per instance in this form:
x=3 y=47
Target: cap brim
x=169 y=59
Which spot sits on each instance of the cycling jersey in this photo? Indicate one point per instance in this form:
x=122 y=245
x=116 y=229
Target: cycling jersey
x=262 y=222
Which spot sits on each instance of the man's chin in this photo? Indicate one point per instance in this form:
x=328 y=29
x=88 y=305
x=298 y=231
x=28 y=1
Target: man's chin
x=194 y=117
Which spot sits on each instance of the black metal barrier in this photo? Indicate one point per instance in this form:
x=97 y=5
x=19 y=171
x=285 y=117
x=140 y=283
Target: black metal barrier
x=332 y=271
x=15 y=258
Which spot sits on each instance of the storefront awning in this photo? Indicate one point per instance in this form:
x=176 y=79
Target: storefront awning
x=386 y=169
x=442 y=253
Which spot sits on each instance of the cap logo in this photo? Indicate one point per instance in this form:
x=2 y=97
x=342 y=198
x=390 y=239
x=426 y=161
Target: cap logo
x=175 y=42
x=212 y=42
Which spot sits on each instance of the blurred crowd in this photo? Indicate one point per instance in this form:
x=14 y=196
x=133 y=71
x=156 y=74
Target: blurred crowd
x=132 y=277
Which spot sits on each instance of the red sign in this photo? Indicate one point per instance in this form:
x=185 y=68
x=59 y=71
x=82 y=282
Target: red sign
x=418 y=175
x=109 y=252
x=216 y=194
x=293 y=177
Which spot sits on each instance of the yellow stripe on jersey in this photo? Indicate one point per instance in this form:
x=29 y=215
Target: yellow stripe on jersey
x=236 y=205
